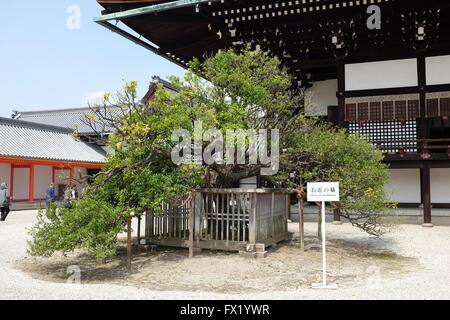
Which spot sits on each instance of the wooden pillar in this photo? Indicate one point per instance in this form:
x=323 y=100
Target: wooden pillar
x=333 y=115
x=72 y=169
x=53 y=174
x=336 y=116
x=337 y=216
x=422 y=132
x=340 y=93
x=426 y=187
x=31 y=189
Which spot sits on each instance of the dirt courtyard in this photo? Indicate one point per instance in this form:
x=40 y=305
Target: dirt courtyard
x=285 y=268
x=410 y=263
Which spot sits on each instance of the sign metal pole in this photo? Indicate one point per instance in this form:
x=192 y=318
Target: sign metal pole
x=331 y=193
x=324 y=249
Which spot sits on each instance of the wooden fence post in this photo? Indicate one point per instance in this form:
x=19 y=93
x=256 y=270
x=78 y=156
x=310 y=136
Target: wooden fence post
x=149 y=226
x=252 y=219
x=198 y=216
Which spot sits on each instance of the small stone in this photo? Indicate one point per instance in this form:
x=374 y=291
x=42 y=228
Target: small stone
x=261 y=255
x=260 y=247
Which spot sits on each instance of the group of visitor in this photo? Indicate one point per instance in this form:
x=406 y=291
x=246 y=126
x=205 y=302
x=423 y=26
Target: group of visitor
x=70 y=194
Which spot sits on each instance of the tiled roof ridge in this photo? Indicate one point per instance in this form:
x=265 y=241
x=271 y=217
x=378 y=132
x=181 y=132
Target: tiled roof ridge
x=59 y=111
x=34 y=125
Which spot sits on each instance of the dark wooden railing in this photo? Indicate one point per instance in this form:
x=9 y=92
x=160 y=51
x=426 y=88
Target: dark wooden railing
x=418 y=146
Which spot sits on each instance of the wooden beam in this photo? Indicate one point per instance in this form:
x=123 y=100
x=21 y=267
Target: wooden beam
x=150 y=9
x=56 y=163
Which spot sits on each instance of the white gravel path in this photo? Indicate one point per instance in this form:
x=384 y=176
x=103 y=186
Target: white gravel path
x=431 y=281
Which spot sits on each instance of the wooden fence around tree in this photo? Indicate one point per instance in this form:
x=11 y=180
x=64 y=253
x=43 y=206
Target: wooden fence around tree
x=224 y=219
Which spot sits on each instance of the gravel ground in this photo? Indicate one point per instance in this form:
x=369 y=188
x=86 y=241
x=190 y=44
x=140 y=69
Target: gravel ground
x=431 y=280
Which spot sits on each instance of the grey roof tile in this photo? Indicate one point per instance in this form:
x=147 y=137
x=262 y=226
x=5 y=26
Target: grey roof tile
x=65 y=118
x=37 y=141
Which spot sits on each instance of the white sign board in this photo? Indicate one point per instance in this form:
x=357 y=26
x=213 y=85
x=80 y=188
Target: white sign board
x=323 y=191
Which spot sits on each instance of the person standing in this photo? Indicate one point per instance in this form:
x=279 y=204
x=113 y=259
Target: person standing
x=50 y=194
x=68 y=198
x=5 y=199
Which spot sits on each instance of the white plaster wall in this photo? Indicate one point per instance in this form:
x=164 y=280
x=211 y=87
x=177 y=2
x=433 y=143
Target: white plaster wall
x=321 y=95
x=440 y=185
x=21 y=184
x=61 y=177
x=381 y=74
x=78 y=174
x=438 y=70
x=42 y=179
x=404 y=185
x=5 y=173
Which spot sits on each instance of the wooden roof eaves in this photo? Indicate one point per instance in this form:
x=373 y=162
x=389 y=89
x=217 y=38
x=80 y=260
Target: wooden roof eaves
x=150 y=9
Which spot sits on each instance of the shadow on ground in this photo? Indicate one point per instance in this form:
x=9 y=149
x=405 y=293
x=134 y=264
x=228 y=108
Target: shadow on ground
x=286 y=267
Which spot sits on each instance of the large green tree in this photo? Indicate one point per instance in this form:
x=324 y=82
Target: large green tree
x=244 y=90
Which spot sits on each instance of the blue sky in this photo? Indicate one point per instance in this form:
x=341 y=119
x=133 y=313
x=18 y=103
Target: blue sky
x=45 y=65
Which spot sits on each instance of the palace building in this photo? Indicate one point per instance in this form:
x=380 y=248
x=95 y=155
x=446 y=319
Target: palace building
x=38 y=148
x=378 y=67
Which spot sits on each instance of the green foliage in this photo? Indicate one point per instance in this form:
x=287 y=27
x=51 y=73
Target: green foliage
x=92 y=224
x=245 y=90
x=335 y=155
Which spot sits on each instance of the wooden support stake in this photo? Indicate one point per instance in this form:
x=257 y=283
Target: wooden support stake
x=301 y=221
x=191 y=224
x=129 y=243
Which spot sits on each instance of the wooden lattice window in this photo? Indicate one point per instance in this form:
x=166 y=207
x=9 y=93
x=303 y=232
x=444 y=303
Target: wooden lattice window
x=390 y=135
x=445 y=106
x=432 y=108
x=363 y=111
x=413 y=109
x=350 y=112
x=400 y=110
x=375 y=111
x=388 y=110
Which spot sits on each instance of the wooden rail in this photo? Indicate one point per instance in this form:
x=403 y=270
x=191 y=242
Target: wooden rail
x=414 y=146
